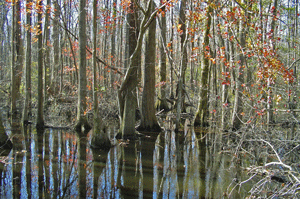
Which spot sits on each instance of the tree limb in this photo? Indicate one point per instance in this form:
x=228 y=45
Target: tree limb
x=97 y=58
x=148 y=18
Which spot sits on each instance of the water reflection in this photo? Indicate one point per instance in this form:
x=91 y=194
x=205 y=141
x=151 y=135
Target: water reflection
x=60 y=164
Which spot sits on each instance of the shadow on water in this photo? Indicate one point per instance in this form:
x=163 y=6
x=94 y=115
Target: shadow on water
x=60 y=164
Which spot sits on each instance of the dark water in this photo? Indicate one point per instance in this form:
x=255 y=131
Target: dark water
x=59 y=164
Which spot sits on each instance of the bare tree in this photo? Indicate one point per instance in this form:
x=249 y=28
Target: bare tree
x=27 y=101
x=126 y=93
x=40 y=112
x=162 y=103
x=99 y=134
x=17 y=58
x=201 y=118
x=149 y=120
x=82 y=93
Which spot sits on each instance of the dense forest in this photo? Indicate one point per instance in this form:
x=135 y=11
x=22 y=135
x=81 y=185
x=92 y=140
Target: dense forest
x=150 y=66
x=153 y=65
x=226 y=63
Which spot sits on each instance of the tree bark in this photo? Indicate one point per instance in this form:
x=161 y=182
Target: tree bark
x=27 y=101
x=183 y=46
x=149 y=120
x=237 y=115
x=82 y=124
x=162 y=103
x=126 y=93
x=40 y=115
x=47 y=50
x=201 y=119
x=56 y=49
x=99 y=134
x=225 y=83
x=131 y=90
x=180 y=107
x=17 y=58
x=270 y=115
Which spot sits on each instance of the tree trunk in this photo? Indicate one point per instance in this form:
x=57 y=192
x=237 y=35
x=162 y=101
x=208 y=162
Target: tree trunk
x=237 y=115
x=180 y=107
x=225 y=79
x=171 y=56
x=270 y=115
x=27 y=102
x=184 y=59
x=47 y=49
x=17 y=58
x=40 y=115
x=113 y=47
x=126 y=93
x=202 y=112
x=56 y=49
x=82 y=93
x=99 y=134
x=149 y=120
x=162 y=103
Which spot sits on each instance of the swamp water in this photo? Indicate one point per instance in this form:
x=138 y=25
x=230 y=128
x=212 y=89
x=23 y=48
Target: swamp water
x=59 y=164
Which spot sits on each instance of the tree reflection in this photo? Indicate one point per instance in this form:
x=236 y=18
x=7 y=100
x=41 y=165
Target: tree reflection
x=194 y=162
x=99 y=161
x=82 y=165
x=17 y=137
x=58 y=164
x=170 y=179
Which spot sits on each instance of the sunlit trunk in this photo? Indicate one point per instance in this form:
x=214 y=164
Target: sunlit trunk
x=201 y=118
x=237 y=116
x=99 y=134
x=82 y=123
x=46 y=44
x=56 y=50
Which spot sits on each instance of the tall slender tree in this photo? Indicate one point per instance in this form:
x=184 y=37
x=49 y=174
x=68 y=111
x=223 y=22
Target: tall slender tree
x=149 y=120
x=237 y=114
x=27 y=101
x=17 y=57
x=162 y=103
x=270 y=115
x=47 y=51
x=82 y=89
x=56 y=49
x=40 y=114
x=201 y=118
x=183 y=64
x=99 y=135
